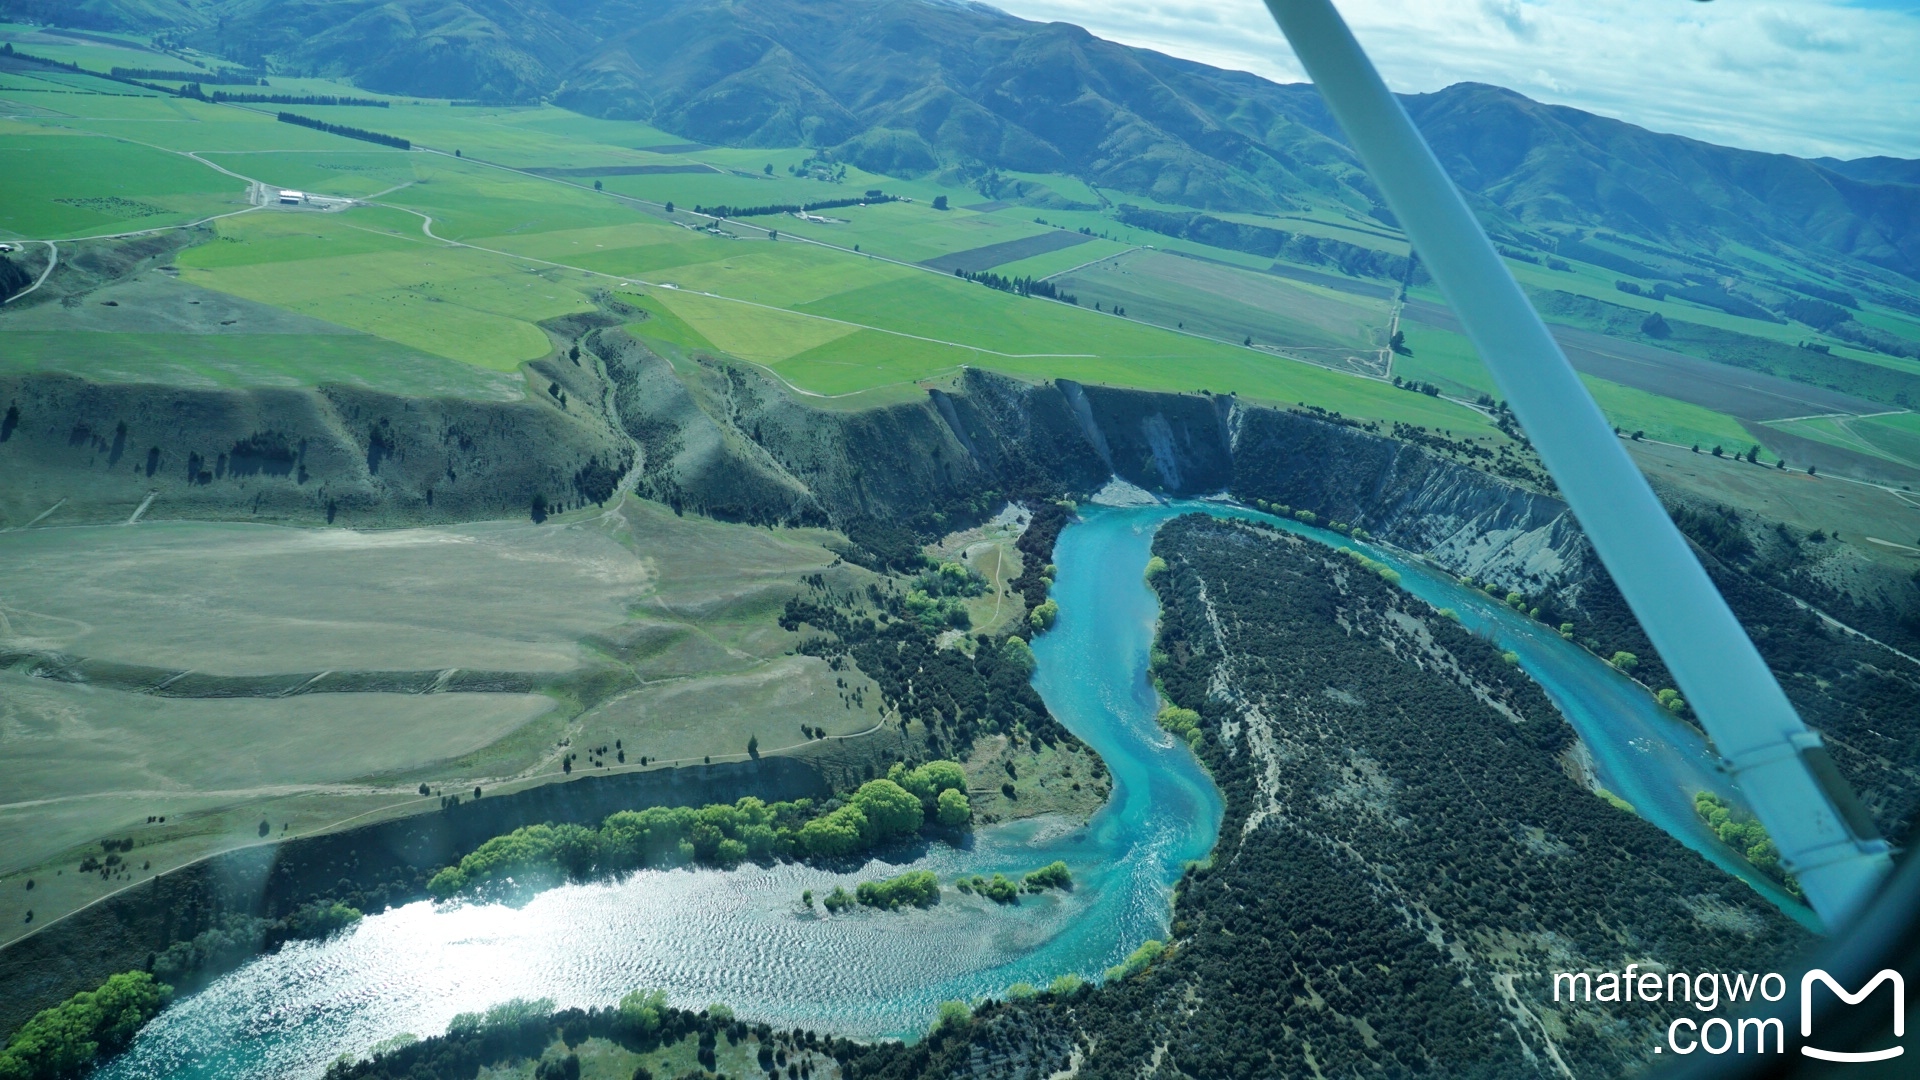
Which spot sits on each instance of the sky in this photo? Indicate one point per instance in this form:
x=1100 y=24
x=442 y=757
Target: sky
x=1813 y=78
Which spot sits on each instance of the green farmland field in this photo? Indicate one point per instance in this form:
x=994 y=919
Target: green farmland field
x=60 y=185
x=359 y=270
x=463 y=256
x=1449 y=361
x=356 y=174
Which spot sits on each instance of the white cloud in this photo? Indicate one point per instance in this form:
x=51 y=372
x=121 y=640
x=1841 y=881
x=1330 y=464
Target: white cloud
x=1511 y=14
x=1815 y=77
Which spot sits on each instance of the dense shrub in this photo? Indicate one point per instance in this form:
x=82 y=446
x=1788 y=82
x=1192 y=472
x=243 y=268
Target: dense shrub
x=916 y=888
x=537 y=856
x=1054 y=875
x=66 y=1040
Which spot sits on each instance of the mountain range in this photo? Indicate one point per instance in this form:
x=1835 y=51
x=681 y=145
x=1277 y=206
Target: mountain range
x=911 y=87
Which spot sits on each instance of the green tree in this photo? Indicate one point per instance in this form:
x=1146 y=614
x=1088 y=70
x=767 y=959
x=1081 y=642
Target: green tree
x=641 y=1012
x=939 y=202
x=954 y=809
x=1624 y=660
x=890 y=810
x=1054 y=875
x=1018 y=653
x=998 y=889
x=1044 y=614
x=1178 y=720
x=841 y=832
x=919 y=888
x=1137 y=961
x=927 y=781
x=66 y=1040
x=753 y=747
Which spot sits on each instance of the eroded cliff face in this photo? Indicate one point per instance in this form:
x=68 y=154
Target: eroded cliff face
x=692 y=456
x=92 y=452
x=728 y=442
x=1468 y=522
x=925 y=466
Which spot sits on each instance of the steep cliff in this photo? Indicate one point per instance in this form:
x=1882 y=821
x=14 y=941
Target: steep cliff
x=728 y=442
x=336 y=454
x=1469 y=523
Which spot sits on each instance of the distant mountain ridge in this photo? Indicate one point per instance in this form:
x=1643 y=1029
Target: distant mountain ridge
x=910 y=87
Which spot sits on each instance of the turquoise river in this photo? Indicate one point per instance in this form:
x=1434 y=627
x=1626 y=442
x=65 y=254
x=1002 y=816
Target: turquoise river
x=741 y=936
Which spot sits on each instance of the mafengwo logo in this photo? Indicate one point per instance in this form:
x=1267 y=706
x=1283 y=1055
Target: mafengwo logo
x=1807 y=983
x=1707 y=992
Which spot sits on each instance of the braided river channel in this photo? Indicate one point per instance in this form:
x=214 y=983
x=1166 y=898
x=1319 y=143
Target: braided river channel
x=742 y=937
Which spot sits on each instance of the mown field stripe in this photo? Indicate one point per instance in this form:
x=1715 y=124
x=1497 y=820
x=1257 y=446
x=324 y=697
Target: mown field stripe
x=426 y=227
x=912 y=266
x=988 y=256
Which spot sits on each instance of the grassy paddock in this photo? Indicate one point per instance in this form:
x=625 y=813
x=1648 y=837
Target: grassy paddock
x=689 y=605
x=353 y=174
x=241 y=360
x=60 y=185
x=1893 y=438
x=1449 y=361
x=358 y=270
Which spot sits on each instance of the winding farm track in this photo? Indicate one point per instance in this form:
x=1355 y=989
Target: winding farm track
x=53 y=260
